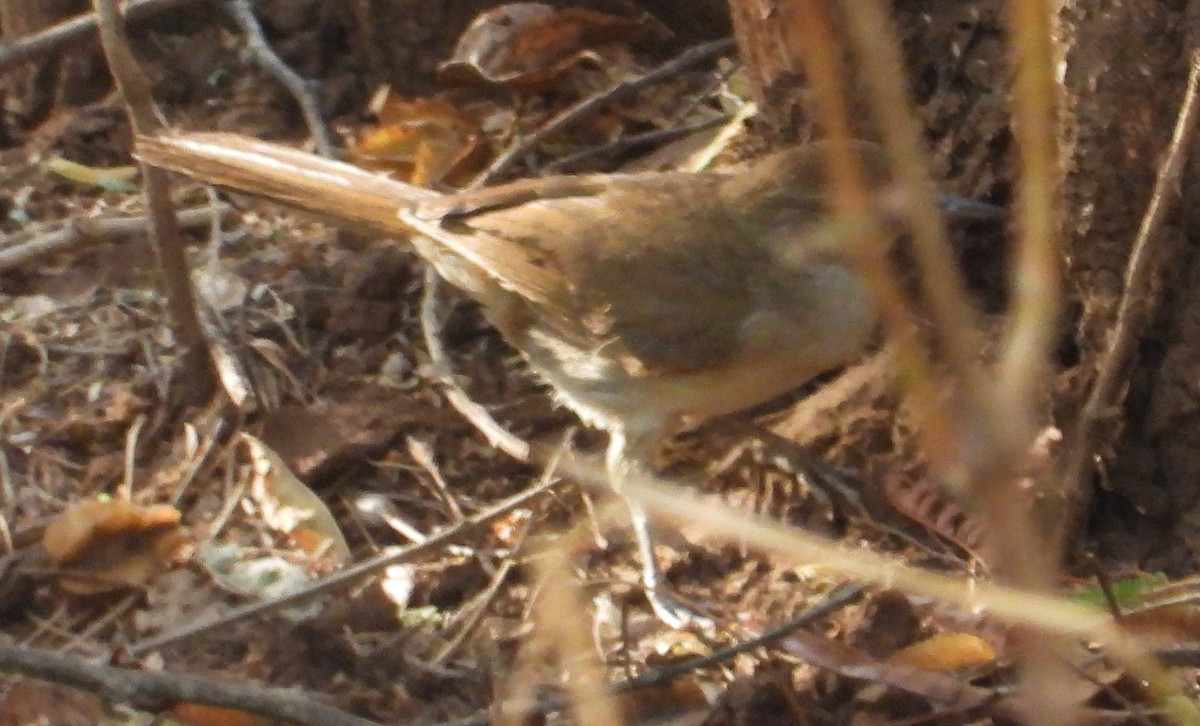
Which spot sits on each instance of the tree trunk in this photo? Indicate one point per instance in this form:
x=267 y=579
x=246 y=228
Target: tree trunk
x=1123 y=74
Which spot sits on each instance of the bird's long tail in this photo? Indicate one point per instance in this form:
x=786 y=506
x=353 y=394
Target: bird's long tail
x=340 y=192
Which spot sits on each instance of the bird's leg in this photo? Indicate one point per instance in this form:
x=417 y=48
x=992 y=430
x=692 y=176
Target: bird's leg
x=622 y=455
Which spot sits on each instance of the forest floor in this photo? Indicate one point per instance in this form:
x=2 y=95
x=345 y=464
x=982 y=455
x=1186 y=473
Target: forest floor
x=324 y=326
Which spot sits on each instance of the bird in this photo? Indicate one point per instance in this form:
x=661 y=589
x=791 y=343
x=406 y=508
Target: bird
x=648 y=302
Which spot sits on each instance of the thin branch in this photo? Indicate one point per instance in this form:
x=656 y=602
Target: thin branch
x=157 y=692
x=875 y=41
x=304 y=91
x=69 y=34
x=443 y=373
x=592 y=104
x=479 y=608
x=814 y=39
x=1137 y=302
x=201 y=376
x=633 y=141
x=1035 y=279
x=89 y=231
x=1016 y=535
x=344 y=579
x=133 y=84
x=835 y=601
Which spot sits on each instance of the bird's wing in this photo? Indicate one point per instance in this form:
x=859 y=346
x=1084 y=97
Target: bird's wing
x=641 y=266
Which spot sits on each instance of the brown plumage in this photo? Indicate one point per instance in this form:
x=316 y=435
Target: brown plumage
x=647 y=301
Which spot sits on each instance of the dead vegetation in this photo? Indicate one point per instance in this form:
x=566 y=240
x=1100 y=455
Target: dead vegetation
x=320 y=516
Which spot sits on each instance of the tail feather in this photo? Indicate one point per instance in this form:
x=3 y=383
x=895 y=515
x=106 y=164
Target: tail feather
x=340 y=192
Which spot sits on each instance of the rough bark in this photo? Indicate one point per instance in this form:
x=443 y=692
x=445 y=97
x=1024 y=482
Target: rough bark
x=1125 y=70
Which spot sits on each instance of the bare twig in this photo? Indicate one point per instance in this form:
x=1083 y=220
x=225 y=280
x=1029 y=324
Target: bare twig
x=157 y=692
x=132 y=83
x=593 y=103
x=815 y=40
x=1136 y=304
x=591 y=702
x=88 y=231
x=624 y=143
x=1016 y=606
x=875 y=41
x=70 y=33
x=422 y=453
x=1035 y=279
x=302 y=90
x=479 y=604
x=352 y=574
x=201 y=377
x=442 y=372
x=1016 y=535
x=836 y=600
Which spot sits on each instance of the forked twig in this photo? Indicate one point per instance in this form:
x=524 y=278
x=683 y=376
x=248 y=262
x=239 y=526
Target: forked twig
x=301 y=89
x=836 y=600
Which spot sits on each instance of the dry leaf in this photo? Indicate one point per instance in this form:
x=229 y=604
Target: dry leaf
x=108 y=544
x=423 y=141
x=531 y=45
x=113 y=178
x=945 y=652
x=264 y=578
x=290 y=507
x=199 y=714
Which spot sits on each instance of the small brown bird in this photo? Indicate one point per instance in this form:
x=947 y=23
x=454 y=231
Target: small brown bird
x=647 y=301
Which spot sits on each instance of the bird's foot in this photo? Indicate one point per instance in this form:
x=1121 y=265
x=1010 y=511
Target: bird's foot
x=675 y=614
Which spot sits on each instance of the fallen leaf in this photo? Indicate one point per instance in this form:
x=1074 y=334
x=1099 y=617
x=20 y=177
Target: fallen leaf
x=945 y=652
x=290 y=507
x=199 y=714
x=113 y=178
x=426 y=142
x=106 y=544
x=531 y=45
